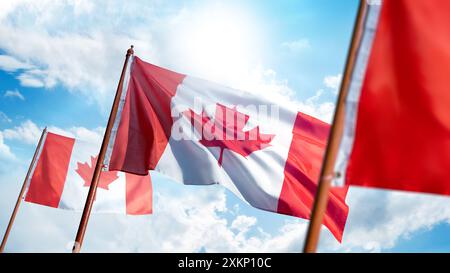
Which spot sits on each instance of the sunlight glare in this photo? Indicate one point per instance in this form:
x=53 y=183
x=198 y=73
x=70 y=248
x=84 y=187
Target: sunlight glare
x=222 y=43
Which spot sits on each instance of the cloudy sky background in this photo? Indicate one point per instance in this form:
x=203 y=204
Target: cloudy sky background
x=59 y=66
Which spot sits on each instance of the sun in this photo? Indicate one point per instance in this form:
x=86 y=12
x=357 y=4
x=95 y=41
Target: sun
x=219 y=41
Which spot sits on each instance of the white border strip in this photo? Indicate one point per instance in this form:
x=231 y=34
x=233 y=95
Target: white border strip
x=352 y=100
x=33 y=167
x=123 y=96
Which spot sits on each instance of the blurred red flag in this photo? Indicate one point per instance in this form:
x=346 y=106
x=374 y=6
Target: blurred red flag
x=397 y=121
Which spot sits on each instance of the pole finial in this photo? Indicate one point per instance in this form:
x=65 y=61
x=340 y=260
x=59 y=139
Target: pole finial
x=130 y=51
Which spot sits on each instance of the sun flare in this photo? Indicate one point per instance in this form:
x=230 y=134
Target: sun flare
x=219 y=40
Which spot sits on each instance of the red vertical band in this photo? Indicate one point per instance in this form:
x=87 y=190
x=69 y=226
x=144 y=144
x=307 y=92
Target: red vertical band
x=47 y=182
x=302 y=171
x=146 y=119
x=138 y=194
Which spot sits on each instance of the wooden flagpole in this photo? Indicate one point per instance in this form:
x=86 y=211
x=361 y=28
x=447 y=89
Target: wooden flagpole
x=327 y=172
x=22 y=192
x=98 y=167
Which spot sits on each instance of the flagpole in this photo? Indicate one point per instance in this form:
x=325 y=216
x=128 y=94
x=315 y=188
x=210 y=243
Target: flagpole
x=22 y=192
x=98 y=167
x=327 y=171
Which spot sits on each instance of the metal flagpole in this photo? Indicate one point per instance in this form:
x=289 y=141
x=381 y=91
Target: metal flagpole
x=22 y=192
x=98 y=167
x=327 y=172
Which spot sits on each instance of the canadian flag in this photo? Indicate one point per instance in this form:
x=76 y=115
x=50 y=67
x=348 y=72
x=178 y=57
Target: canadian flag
x=200 y=133
x=62 y=173
x=396 y=130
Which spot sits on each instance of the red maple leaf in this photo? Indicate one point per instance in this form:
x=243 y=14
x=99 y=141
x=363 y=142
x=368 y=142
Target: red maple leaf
x=86 y=172
x=226 y=131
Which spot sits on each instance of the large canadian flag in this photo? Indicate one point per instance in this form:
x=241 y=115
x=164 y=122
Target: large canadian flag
x=397 y=112
x=201 y=133
x=62 y=174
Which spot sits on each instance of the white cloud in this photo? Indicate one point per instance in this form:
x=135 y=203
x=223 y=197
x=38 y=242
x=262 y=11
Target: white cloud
x=80 y=63
x=243 y=223
x=266 y=82
x=333 y=82
x=5 y=151
x=14 y=94
x=89 y=61
x=379 y=219
x=195 y=219
x=4 y=117
x=34 y=78
x=82 y=53
x=11 y=64
x=314 y=107
x=297 y=45
x=82 y=133
x=26 y=132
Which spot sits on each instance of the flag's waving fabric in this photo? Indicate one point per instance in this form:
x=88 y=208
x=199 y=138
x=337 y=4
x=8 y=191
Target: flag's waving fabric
x=197 y=132
x=397 y=121
x=62 y=175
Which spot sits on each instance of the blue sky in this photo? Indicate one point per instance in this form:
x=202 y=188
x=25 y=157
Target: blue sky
x=61 y=71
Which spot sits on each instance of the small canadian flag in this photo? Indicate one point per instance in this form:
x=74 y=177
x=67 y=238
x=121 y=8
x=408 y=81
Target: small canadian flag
x=62 y=174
